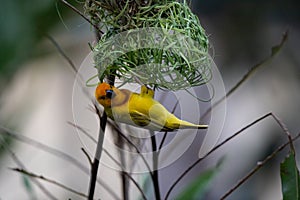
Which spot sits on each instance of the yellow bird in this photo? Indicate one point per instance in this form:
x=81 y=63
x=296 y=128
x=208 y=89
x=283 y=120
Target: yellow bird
x=139 y=110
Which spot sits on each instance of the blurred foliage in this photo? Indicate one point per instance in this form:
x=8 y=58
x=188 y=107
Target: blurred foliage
x=198 y=187
x=290 y=179
x=4 y=140
x=29 y=187
x=23 y=24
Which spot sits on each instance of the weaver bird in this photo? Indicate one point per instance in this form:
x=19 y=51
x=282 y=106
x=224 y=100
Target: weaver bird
x=139 y=110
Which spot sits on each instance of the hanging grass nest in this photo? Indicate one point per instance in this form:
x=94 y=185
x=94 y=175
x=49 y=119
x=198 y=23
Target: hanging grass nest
x=158 y=43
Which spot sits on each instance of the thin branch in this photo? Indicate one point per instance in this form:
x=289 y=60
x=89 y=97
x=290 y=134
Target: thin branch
x=87 y=155
x=282 y=126
x=136 y=184
x=258 y=166
x=213 y=150
x=20 y=164
x=32 y=175
x=83 y=131
x=82 y=15
x=285 y=130
x=262 y=163
x=111 y=157
x=103 y=119
x=72 y=65
x=163 y=140
x=275 y=50
x=64 y=55
x=127 y=174
x=55 y=152
x=43 y=147
x=117 y=129
x=132 y=144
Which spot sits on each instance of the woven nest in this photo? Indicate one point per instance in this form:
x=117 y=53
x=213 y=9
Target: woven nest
x=158 y=43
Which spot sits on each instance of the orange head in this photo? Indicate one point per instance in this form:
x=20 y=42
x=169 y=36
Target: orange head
x=104 y=94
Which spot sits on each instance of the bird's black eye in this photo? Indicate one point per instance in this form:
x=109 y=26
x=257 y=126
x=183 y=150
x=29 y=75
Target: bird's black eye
x=110 y=94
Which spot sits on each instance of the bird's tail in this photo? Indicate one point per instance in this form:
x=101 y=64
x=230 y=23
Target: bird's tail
x=188 y=125
x=181 y=124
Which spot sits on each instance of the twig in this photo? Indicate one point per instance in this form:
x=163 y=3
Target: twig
x=255 y=169
x=163 y=140
x=72 y=65
x=109 y=155
x=127 y=174
x=83 y=131
x=103 y=118
x=258 y=166
x=121 y=134
x=285 y=130
x=132 y=144
x=87 y=155
x=64 y=55
x=213 y=150
x=20 y=164
x=275 y=50
x=32 y=175
x=82 y=15
x=117 y=129
x=43 y=147
x=54 y=152
x=282 y=126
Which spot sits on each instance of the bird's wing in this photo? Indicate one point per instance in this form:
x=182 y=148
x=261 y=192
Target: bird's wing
x=139 y=118
x=142 y=120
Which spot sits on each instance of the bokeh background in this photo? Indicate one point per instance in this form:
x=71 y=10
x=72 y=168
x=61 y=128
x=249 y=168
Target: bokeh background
x=36 y=87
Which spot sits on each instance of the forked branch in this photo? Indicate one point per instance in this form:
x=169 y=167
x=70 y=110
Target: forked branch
x=282 y=126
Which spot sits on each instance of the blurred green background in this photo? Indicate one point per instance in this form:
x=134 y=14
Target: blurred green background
x=23 y=25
